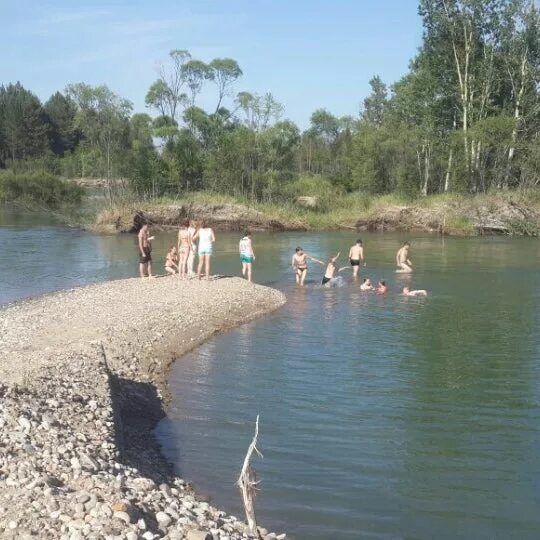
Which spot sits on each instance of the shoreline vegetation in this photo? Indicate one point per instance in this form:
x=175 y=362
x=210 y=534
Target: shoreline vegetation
x=513 y=212
x=459 y=127
x=81 y=395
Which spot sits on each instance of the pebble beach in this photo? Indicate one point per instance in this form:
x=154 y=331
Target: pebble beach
x=83 y=383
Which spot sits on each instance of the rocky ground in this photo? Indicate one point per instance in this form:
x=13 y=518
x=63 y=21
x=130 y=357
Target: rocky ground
x=82 y=376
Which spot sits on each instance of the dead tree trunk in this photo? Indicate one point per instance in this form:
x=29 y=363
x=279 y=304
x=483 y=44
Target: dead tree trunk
x=247 y=482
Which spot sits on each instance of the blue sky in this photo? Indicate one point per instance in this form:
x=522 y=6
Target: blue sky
x=309 y=54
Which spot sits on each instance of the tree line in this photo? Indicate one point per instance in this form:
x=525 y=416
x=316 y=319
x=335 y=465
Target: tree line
x=464 y=118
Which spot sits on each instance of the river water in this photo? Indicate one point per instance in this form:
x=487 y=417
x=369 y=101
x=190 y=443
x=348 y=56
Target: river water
x=380 y=417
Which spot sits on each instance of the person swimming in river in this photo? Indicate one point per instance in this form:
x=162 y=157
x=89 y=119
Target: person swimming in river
x=418 y=292
x=171 y=262
x=330 y=269
x=402 y=258
x=381 y=287
x=366 y=285
x=356 y=256
x=300 y=266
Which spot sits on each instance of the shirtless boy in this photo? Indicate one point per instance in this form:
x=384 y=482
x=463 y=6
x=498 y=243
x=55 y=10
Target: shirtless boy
x=418 y=292
x=356 y=255
x=402 y=258
x=330 y=269
x=381 y=288
x=366 y=285
x=145 y=251
x=299 y=263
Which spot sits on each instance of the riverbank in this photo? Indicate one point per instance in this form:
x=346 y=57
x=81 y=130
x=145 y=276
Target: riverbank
x=83 y=384
x=509 y=212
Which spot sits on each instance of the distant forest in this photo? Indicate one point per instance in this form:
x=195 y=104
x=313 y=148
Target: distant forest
x=464 y=118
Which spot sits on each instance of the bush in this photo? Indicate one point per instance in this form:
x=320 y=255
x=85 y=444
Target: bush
x=38 y=189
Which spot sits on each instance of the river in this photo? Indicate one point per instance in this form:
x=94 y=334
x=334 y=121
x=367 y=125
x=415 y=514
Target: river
x=380 y=417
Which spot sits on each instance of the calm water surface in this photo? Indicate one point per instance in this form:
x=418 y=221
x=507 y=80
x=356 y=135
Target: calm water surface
x=381 y=417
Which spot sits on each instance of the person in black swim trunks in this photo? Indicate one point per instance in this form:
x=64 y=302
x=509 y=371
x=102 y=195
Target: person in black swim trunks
x=145 y=251
x=356 y=255
x=330 y=269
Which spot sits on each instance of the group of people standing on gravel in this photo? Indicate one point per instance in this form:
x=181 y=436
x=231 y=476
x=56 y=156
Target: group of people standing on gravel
x=198 y=237
x=193 y=238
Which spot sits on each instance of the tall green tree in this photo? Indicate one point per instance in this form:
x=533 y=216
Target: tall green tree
x=23 y=125
x=225 y=72
x=103 y=118
x=376 y=103
x=60 y=112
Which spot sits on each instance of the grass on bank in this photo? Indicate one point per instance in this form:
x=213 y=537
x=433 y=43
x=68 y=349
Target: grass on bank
x=38 y=190
x=448 y=213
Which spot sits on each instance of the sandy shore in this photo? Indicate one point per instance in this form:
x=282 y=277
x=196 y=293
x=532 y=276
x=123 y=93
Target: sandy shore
x=82 y=380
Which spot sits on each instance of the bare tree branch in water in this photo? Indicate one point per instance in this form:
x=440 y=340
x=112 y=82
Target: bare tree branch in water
x=247 y=482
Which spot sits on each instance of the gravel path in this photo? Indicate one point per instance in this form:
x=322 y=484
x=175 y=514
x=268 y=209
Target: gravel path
x=82 y=375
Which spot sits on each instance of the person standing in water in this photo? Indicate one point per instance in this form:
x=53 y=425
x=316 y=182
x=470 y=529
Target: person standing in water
x=356 y=256
x=402 y=258
x=184 y=248
x=299 y=264
x=330 y=269
x=205 y=236
x=145 y=251
x=247 y=255
x=192 y=229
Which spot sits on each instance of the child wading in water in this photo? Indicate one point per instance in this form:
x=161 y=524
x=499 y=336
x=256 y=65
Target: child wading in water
x=330 y=269
x=171 y=262
x=382 y=288
x=299 y=263
x=247 y=255
x=366 y=285
x=402 y=258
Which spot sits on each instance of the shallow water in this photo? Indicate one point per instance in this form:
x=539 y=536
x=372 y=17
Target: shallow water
x=380 y=417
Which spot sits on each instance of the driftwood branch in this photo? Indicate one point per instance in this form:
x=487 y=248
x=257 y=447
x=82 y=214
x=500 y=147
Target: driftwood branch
x=247 y=482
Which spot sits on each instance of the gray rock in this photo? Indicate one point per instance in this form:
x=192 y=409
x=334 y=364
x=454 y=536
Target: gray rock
x=198 y=535
x=89 y=464
x=25 y=423
x=163 y=519
x=124 y=516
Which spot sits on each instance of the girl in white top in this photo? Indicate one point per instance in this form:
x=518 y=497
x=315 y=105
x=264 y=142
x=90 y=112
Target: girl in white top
x=206 y=238
x=247 y=255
